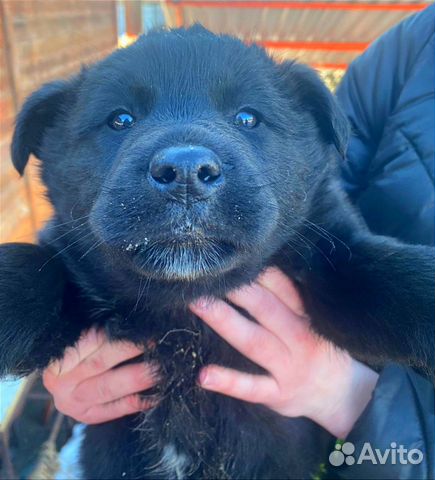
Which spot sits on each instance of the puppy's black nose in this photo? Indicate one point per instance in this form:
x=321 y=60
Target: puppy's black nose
x=186 y=171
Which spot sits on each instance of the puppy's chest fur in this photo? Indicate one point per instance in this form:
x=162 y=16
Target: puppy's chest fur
x=173 y=464
x=192 y=433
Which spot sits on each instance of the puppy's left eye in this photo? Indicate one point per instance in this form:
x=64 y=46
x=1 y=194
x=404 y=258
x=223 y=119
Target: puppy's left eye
x=120 y=119
x=246 y=118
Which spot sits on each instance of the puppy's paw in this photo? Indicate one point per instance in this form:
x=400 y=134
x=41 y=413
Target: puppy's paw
x=32 y=284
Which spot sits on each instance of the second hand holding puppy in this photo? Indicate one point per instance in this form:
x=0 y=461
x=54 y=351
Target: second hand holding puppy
x=308 y=376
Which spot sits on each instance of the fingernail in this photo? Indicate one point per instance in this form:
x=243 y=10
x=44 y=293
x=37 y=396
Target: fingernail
x=204 y=377
x=201 y=304
x=55 y=367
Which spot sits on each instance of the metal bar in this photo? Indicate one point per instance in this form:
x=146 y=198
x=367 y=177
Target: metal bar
x=405 y=7
x=328 y=46
x=330 y=66
x=179 y=15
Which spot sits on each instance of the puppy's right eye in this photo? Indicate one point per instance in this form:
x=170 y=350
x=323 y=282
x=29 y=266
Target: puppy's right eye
x=120 y=120
x=246 y=118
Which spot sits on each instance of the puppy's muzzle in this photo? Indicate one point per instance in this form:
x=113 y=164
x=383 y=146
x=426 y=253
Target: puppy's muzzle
x=186 y=173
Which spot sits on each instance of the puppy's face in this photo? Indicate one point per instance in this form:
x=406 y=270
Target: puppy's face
x=187 y=154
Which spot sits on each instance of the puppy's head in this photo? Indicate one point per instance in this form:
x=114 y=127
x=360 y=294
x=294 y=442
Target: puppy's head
x=188 y=154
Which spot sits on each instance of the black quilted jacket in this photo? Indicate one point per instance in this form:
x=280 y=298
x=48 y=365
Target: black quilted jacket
x=388 y=95
x=399 y=422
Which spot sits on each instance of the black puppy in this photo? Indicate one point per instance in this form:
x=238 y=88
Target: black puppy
x=179 y=167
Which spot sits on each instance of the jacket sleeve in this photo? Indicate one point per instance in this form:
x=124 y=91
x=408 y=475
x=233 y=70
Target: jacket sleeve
x=371 y=87
x=400 y=417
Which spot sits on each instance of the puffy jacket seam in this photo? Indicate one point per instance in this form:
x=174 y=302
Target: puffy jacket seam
x=418 y=155
x=423 y=97
x=417 y=57
x=409 y=71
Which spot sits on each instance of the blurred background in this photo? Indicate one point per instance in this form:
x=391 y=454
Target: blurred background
x=41 y=40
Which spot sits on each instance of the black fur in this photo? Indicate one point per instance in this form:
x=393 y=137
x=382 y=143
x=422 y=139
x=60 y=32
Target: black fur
x=119 y=255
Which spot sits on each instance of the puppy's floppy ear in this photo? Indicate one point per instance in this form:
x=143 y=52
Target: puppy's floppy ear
x=303 y=84
x=38 y=113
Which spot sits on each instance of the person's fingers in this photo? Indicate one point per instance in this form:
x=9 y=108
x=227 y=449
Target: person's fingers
x=107 y=356
x=88 y=343
x=50 y=380
x=249 y=338
x=117 y=409
x=283 y=288
x=116 y=383
x=93 y=354
x=268 y=310
x=244 y=386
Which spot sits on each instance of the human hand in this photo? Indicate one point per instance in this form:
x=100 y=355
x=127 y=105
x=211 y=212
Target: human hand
x=308 y=376
x=88 y=385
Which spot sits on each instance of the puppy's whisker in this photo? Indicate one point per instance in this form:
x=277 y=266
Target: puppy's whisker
x=63 y=250
x=316 y=247
x=68 y=232
x=94 y=246
x=293 y=247
x=317 y=229
x=59 y=225
x=329 y=235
